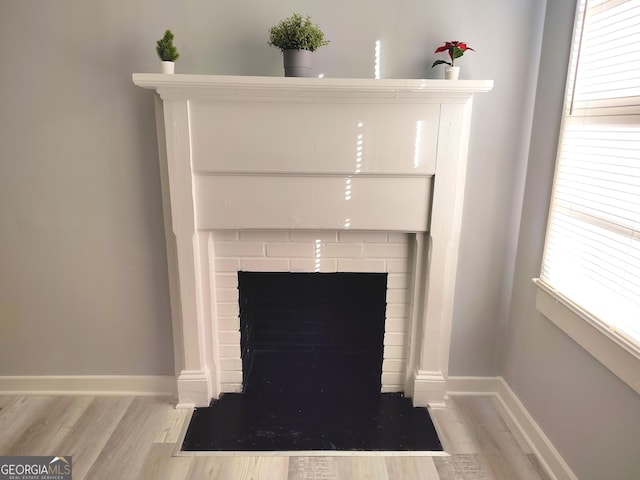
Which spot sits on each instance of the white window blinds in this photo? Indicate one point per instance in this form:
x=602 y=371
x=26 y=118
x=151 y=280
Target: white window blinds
x=592 y=251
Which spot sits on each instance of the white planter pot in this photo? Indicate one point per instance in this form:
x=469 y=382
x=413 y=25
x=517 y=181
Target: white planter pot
x=297 y=63
x=168 y=67
x=451 y=73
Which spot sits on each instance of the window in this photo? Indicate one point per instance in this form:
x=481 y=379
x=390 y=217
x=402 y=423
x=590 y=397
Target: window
x=592 y=250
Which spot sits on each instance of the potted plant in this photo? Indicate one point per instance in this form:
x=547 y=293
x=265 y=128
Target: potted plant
x=167 y=52
x=455 y=50
x=297 y=37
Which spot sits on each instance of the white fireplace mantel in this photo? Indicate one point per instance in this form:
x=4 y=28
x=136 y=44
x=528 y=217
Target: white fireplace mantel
x=284 y=154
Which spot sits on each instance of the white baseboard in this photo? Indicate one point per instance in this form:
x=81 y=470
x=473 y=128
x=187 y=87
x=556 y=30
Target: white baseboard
x=135 y=385
x=549 y=457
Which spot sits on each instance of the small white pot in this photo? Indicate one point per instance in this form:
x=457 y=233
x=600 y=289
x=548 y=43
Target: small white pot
x=168 y=67
x=451 y=73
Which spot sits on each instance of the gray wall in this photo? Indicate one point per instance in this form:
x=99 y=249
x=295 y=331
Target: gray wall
x=83 y=283
x=83 y=288
x=592 y=418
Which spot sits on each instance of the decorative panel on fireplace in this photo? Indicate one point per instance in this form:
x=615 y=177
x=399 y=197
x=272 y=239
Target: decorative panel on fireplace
x=312 y=331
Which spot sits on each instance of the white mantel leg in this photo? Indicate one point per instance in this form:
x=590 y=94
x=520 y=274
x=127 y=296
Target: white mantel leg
x=195 y=385
x=441 y=262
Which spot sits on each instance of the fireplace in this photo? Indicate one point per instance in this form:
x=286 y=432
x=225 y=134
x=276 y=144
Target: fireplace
x=315 y=176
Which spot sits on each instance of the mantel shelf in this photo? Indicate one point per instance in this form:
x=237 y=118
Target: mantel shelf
x=181 y=85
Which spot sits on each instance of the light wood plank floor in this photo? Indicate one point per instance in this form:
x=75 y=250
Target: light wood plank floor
x=134 y=438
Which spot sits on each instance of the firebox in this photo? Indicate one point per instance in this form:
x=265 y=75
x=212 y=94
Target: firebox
x=312 y=332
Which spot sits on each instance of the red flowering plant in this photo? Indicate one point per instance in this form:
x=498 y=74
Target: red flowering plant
x=454 y=48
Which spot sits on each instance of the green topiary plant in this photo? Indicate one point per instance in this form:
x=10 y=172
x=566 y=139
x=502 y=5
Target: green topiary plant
x=298 y=33
x=166 y=49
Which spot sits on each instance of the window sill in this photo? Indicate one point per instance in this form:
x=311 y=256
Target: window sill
x=610 y=349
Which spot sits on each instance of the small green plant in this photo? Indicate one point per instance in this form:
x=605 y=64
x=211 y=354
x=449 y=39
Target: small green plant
x=166 y=49
x=296 y=32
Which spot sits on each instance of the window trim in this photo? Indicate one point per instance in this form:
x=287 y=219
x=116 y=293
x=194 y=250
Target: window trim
x=615 y=352
x=620 y=356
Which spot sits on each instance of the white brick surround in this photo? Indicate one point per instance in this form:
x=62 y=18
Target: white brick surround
x=312 y=251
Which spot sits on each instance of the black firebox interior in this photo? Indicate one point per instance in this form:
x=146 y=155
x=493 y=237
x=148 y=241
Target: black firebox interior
x=311 y=333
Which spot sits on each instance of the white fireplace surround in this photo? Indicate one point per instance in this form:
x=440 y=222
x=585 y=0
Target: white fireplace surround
x=315 y=175
x=324 y=251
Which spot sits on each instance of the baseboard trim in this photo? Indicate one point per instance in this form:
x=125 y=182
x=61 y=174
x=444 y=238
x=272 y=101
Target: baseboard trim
x=136 y=385
x=549 y=457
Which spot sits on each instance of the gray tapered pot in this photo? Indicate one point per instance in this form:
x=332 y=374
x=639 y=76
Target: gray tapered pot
x=297 y=63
